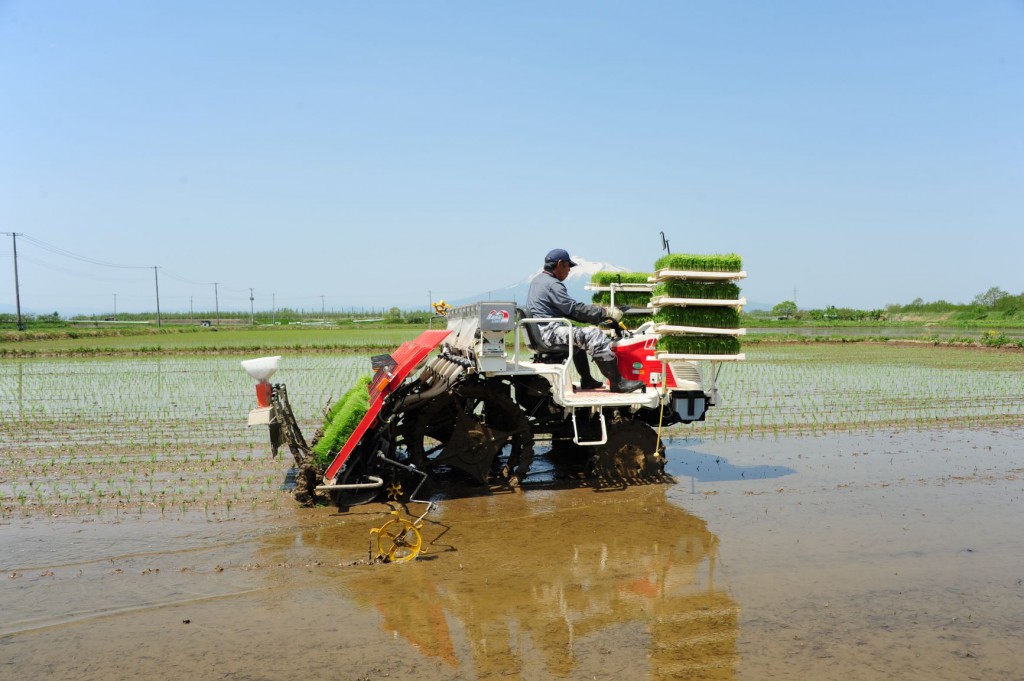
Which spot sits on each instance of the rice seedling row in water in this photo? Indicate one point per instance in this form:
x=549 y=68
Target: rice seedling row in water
x=863 y=388
x=100 y=434
x=145 y=455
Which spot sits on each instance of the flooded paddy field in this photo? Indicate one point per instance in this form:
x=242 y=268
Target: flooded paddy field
x=846 y=512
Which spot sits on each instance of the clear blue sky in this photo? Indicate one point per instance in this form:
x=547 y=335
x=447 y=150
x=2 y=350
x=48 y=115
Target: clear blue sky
x=861 y=152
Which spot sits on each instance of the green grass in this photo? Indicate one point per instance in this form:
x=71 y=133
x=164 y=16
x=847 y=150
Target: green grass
x=291 y=340
x=729 y=262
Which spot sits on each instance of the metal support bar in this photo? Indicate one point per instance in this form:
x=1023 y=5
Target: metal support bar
x=564 y=373
x=576 y=432
x=412 y=497
x=376 y=482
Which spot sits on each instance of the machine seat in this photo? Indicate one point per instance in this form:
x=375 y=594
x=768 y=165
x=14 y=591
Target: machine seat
x=542 y=352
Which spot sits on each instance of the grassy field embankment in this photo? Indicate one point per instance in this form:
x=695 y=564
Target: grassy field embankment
x=231 y=340
x=264 y=340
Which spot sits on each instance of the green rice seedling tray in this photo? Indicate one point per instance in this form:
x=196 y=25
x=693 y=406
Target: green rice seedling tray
x=714 y=317
x=635 y=319
x=672 y=329
x=699 y=290
x=672 y=357
x=666 y=275
x=689 y=262
x=658 y=302
x=627 y=288
x=342 y=418
x=688 y=266
x=632 y=298
x=692 y=344
x=609 y=278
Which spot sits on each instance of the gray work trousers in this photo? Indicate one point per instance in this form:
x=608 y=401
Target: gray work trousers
x=590 y=338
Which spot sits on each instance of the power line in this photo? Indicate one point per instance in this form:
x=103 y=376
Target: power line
x=180 y=278
x=68 y=254
x=225 y=287
x=61 y=270
x=92 y=261
x=233 y=294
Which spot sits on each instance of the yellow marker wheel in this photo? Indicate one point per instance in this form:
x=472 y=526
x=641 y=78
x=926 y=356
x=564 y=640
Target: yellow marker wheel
x=398 y=540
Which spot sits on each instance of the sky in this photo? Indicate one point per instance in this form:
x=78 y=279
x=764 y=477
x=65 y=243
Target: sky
x=364 y=155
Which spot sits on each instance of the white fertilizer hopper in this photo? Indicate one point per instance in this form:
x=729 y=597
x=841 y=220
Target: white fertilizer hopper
x=262 y=368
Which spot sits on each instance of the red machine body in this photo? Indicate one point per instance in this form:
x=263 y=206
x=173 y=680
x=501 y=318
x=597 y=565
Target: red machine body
x=407 y=357
x=637 y=362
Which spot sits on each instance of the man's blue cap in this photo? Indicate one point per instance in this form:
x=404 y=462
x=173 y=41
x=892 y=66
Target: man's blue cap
x=559 y=254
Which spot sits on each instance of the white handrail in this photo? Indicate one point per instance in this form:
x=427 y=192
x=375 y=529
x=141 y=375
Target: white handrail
x=564 y=373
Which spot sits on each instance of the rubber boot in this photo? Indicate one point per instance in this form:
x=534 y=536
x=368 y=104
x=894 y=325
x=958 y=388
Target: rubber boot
x=616 y=383
x=587 y=380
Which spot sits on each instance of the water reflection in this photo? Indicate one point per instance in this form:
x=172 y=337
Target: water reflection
x=701 y=467
x=555 y=583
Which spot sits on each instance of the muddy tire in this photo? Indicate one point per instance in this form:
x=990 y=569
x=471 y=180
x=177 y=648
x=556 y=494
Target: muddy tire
x=631 y=456
x=468 y=429
x=306 y=480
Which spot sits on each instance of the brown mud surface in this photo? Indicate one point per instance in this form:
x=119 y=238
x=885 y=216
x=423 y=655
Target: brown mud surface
x=871 y=556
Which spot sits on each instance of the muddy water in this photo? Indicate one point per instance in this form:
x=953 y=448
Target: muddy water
x=890 y=555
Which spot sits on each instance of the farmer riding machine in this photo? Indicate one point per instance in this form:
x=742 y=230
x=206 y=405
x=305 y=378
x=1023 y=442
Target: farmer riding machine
x=457 y=399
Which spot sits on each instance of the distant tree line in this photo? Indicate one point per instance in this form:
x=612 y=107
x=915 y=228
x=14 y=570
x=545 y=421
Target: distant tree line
x=995 y=303
x=787 y=309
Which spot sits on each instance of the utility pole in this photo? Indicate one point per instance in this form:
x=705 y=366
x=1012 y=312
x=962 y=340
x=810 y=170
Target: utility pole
x=191 y=313
x=115 y=307
x=216 y=305
x=252 y=312
x=17 y=289
x=322 y=308
x=273 y=308
x=157 y=280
